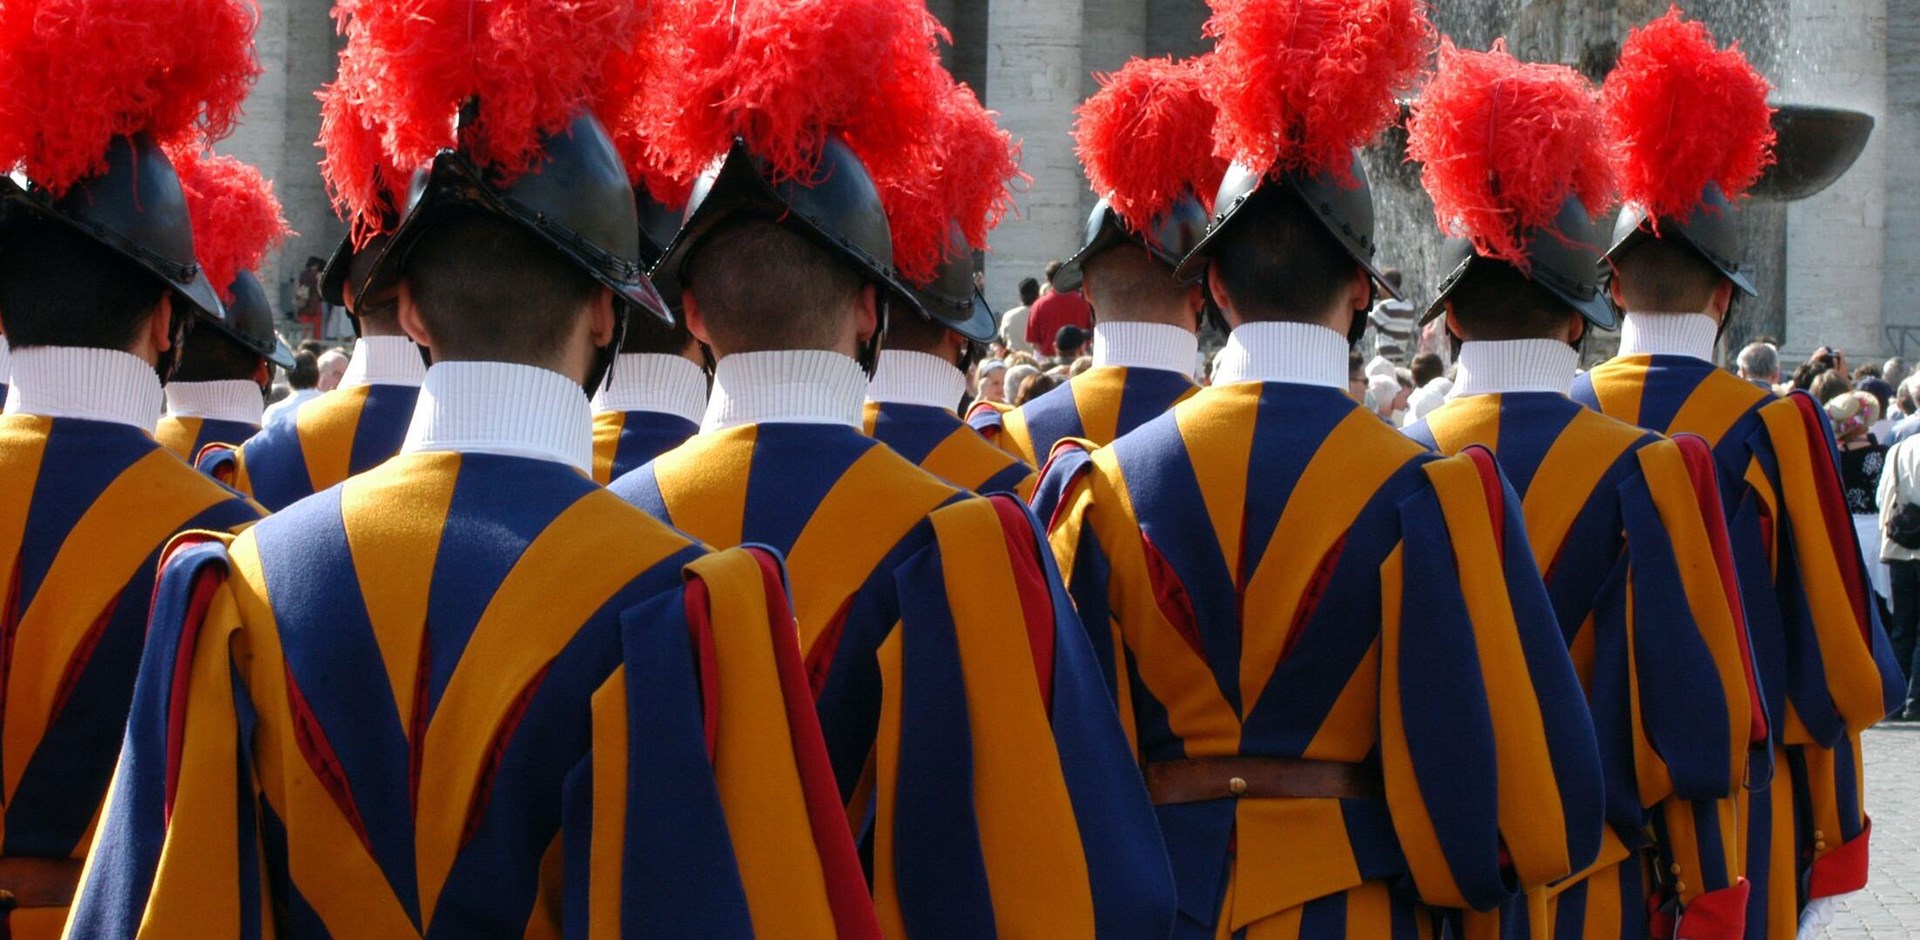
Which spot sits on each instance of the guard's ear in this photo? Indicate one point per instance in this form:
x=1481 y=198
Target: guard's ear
x=411 y=322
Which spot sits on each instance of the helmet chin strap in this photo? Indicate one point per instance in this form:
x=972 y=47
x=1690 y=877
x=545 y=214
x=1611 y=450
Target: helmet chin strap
x=600 y=374
x=179 y=325
x=869 y=357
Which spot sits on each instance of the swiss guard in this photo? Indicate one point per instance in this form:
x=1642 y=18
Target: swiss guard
x=374 y=715
x=1145 y=141
x=361 y=423
x=977 y=756
x=656 y=392
x=219 y=391
x=100 y=284
x=1331 y=649
x=1694 y=128
x=938 y=221
x=1625 y=526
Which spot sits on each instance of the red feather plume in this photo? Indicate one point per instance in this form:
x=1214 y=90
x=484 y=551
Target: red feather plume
x=1301 y=83
x=365 y=185
x=785 y=74
x=1686 y=113
x=1504 y=143
x=634 y=81
x=971 y=163
x=74 y=74
x=236 y=219
x=532 y=64
x=1146 y=138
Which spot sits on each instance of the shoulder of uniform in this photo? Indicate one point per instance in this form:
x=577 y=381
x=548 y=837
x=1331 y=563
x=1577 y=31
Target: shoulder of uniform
x=987 y=414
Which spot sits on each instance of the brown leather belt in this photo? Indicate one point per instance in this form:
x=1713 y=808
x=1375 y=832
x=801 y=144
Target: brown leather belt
x=1214 y=778
x=29 y=881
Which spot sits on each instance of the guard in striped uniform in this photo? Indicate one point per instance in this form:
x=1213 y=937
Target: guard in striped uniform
x=219 y=391
x=1330 y=648
x=1695 y=127
x=657 y=390
x=99 y=283
x=977 y=758
x=361 y=423
x=914 y=399
x=1625 y=526
x=470 y=693
x=1143 y=139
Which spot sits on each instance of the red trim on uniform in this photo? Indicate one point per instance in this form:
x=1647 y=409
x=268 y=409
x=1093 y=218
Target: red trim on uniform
x=311 y=739
x=847 y=892
x=1059 y=447
x=820 y=660
x=1833 y=508
x=1841 y=871
x=1030 y=583
x=1170 y=595
x=1310 y=598
x=1661 y=920
x=1715 y=915
x=82 y=655
x=497 y=752
x=417 y=732
x=204 y=584
x=1491 y=482
x=1706 y=490
x=9 y=626
x=700 y=634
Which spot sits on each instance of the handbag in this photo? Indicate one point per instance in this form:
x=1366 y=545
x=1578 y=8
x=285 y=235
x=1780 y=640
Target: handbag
x=1903 y=527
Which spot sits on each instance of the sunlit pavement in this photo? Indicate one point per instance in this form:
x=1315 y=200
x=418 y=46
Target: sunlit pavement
x=1890 y=906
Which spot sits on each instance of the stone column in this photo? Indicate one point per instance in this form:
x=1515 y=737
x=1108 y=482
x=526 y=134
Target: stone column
x=1836 y=241
x=1900 y=128
x=295 y=44
x=1035 y=76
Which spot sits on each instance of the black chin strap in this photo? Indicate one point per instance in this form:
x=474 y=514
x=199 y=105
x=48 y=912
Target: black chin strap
x=600 y=374
x=869 y=357
x=179 y=325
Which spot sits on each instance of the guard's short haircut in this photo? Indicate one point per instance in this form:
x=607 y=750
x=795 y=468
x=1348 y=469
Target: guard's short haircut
x=1029 y=291
x=762 y=287
x=1760 y=361
x=1279 y=263
x=1127 y=284
x=1664 y=275
x=212 y=356
x=490 y=290
x=61 y=288
x=1426 y=367
x=1495 y=302
x=305 y=372
x=646 y=334
x=908 y=331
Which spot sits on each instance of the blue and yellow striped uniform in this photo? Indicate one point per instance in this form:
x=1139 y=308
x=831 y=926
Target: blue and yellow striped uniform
x=471 y=695
x=85 y=510
x=623 y=441
x=940 y=443
x=1269 y=571
x=1825 y=667
x=977 y=756
x=1627 y=530
x=187 y=437
x=339 y=434
x=1097 y=405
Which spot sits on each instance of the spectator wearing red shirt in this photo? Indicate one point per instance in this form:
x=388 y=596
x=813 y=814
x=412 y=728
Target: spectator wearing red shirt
x=1055 y=309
